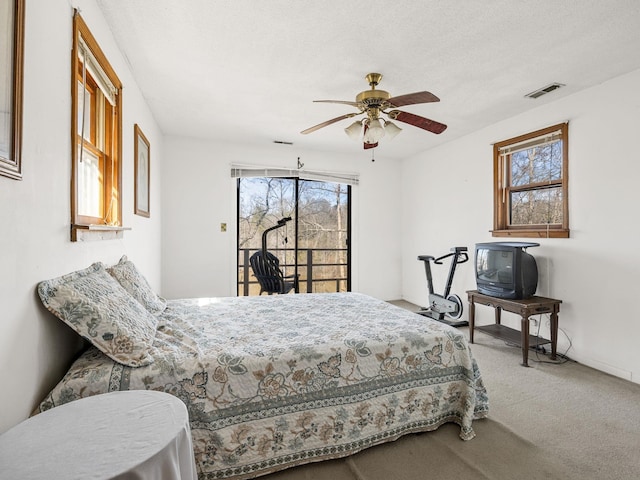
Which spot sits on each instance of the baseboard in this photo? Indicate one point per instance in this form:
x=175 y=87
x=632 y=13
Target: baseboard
x=606 y=368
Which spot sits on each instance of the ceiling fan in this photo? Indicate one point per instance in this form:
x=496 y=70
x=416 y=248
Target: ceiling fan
x=375 y=103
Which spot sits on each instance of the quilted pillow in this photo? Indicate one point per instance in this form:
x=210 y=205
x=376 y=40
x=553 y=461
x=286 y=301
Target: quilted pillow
x=95 y=305
x=126 y=273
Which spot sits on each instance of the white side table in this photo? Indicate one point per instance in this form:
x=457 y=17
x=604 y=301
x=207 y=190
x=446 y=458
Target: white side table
x=120 y=435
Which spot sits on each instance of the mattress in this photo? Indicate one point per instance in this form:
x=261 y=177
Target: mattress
x=276 y=381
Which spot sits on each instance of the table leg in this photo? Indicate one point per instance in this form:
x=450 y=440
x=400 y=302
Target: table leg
x=472 y=319
x=554 y=333
x=498 y=312
x=524 y=332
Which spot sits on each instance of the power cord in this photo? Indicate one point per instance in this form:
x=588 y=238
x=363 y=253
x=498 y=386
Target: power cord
x=539 y=347
x=563 y=356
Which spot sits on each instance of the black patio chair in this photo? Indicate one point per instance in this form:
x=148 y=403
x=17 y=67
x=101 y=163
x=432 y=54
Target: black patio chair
x=266 y=269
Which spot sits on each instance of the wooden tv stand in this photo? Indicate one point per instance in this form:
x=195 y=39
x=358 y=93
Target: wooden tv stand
x=525 y=308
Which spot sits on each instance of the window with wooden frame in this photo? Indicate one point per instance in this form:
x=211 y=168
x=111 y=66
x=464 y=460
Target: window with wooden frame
x=531 y=185
x=96 y=129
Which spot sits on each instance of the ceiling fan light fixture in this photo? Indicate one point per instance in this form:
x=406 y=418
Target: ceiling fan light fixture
x=374 y=104
x=354 y=130
x=391 y=129
x=374 y=132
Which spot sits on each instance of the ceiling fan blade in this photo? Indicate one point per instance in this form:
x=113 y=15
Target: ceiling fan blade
x=328 y=122
x=343 y=102
x=412 y=99
x=417 y=121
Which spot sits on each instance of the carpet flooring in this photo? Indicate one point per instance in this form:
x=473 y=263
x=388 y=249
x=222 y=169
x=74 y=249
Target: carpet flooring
x=496 y=453
x=560 y=421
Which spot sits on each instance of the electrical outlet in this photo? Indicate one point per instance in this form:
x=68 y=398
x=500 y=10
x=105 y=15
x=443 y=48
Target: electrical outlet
x=223 y=227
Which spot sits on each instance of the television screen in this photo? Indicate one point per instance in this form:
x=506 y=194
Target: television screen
x=495 y=265
x=506 y=270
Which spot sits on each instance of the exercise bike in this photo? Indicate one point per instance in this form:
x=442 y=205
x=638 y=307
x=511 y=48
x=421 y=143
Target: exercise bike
x=444 y=308
x=266 y=267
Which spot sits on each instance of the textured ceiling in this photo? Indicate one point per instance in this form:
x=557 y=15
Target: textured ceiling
x=249 y=70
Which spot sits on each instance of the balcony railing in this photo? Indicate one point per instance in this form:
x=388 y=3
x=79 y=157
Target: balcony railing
x=319 y=269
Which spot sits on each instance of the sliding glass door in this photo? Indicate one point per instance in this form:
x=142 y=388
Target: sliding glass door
x=314 y=244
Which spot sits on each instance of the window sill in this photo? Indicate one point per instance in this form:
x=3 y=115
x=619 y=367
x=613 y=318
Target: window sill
x=531 y=233
x=83 y=233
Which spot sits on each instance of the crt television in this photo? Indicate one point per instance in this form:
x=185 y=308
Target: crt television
x=506 y=270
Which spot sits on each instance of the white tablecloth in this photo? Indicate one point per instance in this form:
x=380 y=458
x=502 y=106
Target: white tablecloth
x=122 y=435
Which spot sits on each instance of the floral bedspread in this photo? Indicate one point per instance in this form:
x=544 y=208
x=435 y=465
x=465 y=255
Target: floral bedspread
x=272 y=382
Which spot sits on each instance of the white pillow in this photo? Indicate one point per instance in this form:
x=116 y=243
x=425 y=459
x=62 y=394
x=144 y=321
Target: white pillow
x=96 y=306
x=126 y=273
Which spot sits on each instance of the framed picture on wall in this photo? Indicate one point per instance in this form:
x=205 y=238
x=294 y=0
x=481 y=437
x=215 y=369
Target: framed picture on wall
x=142 y=154
x=11 y=50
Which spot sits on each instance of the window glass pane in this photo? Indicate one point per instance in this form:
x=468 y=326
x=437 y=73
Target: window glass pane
x=536 y=207
x=89 y=184
x=538 y=164
x=100 y=119
x=323 y=210
x=87 y=112
x=322 y=228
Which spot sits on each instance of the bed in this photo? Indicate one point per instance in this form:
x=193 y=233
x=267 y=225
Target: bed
x=269 y=382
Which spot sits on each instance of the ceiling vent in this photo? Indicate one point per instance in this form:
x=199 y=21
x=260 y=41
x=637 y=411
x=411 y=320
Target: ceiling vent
x=544 y=90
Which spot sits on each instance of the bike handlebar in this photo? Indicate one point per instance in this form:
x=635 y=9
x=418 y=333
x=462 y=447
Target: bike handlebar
x=459 y=252
x=438 y=261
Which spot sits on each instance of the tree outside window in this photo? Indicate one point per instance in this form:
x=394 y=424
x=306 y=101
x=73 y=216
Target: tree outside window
x=530 y=184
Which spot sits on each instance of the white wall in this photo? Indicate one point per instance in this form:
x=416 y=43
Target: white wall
x=595 y=272
x=35 y=347
x=199 y=194
x=445 y=196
